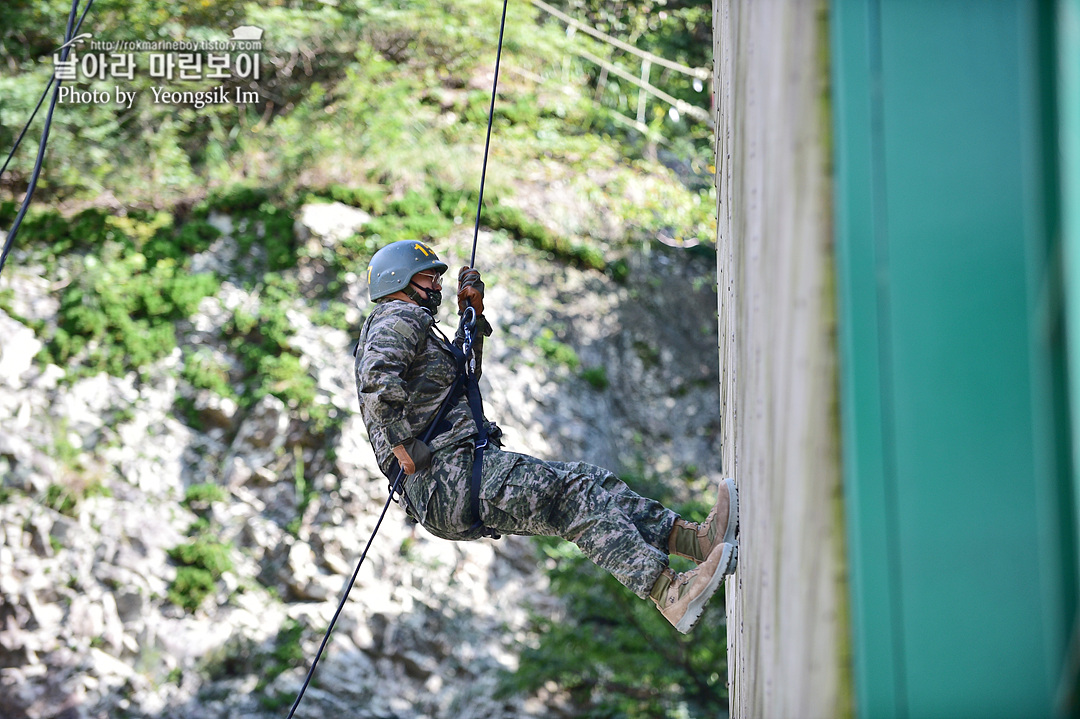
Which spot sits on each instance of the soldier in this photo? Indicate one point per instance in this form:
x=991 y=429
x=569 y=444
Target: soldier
x=406 y=368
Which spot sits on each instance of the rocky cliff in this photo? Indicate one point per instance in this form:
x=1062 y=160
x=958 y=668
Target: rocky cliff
x=169 y=551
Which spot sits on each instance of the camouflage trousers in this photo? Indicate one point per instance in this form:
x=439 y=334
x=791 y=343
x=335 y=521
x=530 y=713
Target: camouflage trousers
x=619 y=530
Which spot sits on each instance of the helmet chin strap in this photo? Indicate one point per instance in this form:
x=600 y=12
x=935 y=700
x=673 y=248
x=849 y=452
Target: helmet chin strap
x=430 y=302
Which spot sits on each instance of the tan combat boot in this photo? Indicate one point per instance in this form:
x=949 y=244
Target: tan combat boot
x=682 y=597
x=695 y=541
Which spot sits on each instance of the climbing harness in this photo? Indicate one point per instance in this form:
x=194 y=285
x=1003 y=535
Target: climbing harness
x=468 y=384
x=465 y=385
x=69 y=34
x=466 y=380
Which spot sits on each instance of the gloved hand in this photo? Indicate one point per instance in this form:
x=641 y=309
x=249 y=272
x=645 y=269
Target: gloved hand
x=404 y=460
x=413 y=456
x=470 y=291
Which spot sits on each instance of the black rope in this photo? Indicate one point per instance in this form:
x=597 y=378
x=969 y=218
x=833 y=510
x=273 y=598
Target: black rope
x=44 y=94
x=345 y=595
x=487 y=143
x=68 y=35
x=26 y=127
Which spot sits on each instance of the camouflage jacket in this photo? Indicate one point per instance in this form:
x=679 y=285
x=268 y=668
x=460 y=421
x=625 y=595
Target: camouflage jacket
x=404 y=371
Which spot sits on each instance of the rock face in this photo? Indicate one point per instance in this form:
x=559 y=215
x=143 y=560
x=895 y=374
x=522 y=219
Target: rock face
x=95 y=473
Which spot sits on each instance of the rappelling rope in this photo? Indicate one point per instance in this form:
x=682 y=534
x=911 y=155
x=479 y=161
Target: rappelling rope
x=469 y=320
x=45 y=92
x=69 y=34
x=345 y=593
x=487 y=142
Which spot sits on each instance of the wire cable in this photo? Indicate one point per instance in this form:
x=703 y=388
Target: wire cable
x=487 y=143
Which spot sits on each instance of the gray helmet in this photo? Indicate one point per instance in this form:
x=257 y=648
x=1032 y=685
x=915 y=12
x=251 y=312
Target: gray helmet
x=393 y=266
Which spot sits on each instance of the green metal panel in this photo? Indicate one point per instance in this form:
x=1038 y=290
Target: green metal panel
x=1069 y=112
x=1068 y=92
x=961 y=597
x=878 y=646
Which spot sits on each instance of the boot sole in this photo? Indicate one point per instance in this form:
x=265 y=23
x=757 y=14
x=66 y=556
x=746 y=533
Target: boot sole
x=731 y=534
x=697 y=606
x=732 y=530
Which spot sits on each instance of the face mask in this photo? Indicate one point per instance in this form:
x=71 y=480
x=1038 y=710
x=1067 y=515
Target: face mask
x=431 y=302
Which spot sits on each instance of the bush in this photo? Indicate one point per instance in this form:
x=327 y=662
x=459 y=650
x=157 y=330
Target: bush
x=204 y=372
x=233 y=200
x=204 y=494
x=66 y=498
x=596 y=377
x=54 y=235
x=191 y=587
x=615 y=654
x=121 y=313
x=369 y=199
x=284 y=377
x=203 y=561
x=8 y=211
x=191 y=238
x=557 y=351
x=205 y=553
x=286 y=654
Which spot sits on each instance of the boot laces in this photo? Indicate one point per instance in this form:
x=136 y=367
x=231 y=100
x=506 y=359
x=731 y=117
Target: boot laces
x=681 y=584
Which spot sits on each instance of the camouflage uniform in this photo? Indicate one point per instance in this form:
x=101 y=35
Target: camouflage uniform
x=403 y=372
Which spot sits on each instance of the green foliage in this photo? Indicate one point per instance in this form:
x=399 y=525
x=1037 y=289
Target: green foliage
x=286 y=654
x=177 y=245
x=203 y=371
x=268 y=332
x=240 y=657
x=203 y=495
x=233 y=200
x=278 y=239
x=61 y=499
x=596 y=377
x=191 y=586
x=679 y=31
x=619 y=270
x=264 y=222
x=63 y=449
x=117 y=311
x=56 y=235
x=648 y=353
x=205 y=553
x=284 y=377
x=117 y=315
x=66 y=498
x=263 y=342
x=369 y=199
x=333 y=314
x=615 y=654
x=557 y=351
x=414 y=216
x=202 y=562
x=204 y=559
x=385 y=99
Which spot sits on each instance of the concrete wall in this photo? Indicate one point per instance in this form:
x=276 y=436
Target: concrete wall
x=787 y=618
